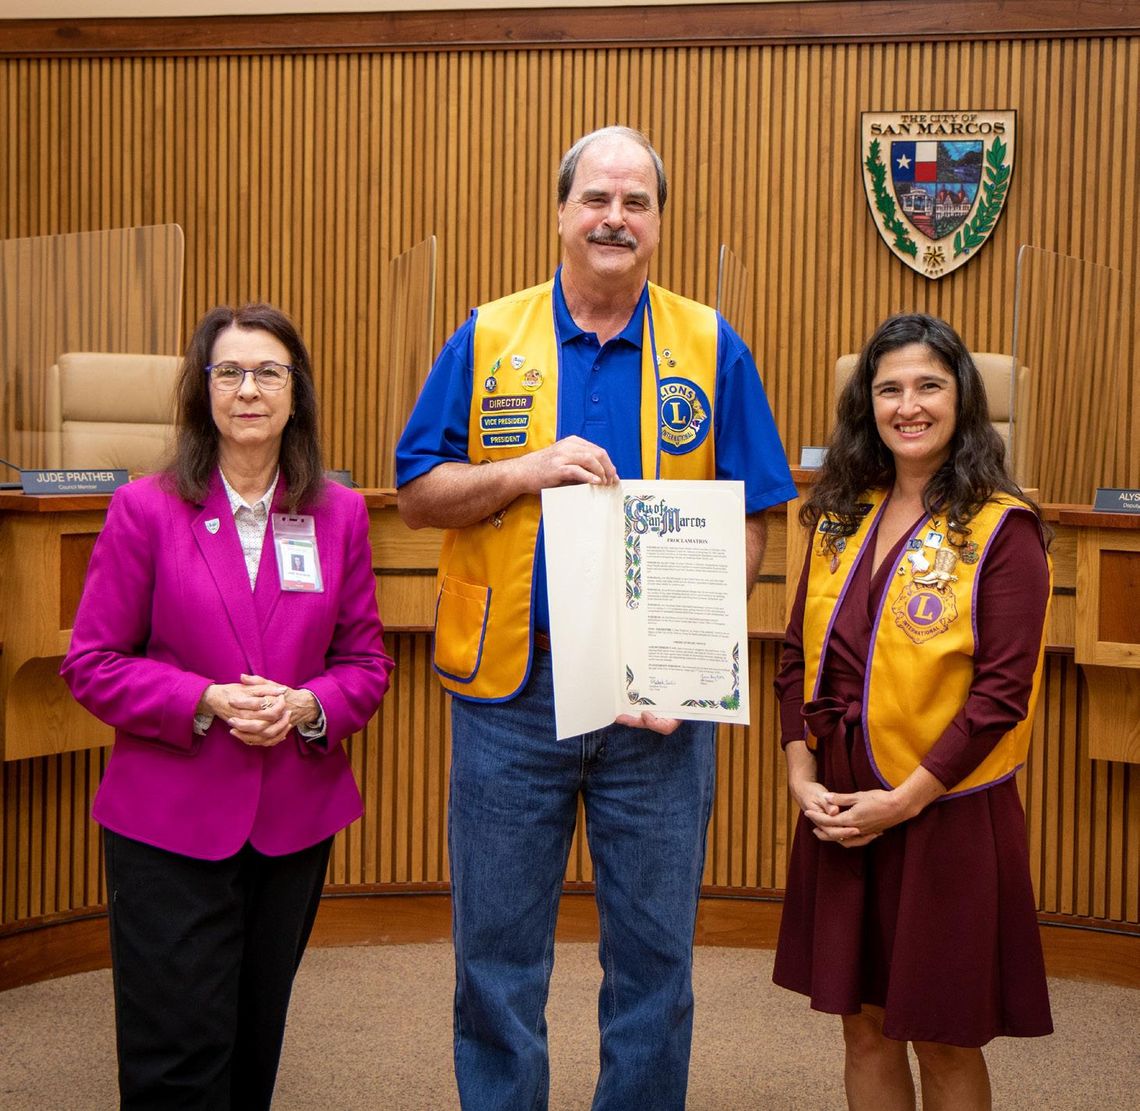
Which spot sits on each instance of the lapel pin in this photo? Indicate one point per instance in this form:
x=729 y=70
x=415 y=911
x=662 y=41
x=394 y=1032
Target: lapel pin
x=212 y=526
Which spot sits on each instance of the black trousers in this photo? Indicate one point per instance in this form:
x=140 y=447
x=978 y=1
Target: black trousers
x=203 y=955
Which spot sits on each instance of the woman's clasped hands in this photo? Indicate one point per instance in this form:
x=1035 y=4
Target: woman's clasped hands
x=852 y=820
x=259 y=712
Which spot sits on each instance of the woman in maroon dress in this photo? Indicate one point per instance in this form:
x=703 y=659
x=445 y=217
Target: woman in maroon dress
x=909 y=673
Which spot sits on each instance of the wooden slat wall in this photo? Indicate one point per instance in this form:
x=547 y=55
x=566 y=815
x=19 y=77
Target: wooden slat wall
x=1083 y=815
x=298 y=177
x=385 y=399
x=401 y=763
x=51 y=850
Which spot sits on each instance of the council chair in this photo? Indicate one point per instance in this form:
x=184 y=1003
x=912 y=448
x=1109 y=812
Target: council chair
x=114 y=411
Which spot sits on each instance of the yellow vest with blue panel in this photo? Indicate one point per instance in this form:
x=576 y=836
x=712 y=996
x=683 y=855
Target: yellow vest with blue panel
x=484 y=602
x=921 y=661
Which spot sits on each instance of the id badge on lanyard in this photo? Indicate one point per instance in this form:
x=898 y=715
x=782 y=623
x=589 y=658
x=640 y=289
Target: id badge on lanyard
x=298 y=562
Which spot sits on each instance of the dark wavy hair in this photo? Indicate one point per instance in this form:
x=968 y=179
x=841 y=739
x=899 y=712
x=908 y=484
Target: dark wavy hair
x=858 y=460
x=196 y=442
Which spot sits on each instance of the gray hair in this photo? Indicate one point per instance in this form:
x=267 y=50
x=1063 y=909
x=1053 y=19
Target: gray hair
x=569 y=165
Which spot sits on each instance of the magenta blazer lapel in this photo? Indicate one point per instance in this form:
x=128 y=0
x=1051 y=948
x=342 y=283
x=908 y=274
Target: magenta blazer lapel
x=267 y=592
x=216 y=535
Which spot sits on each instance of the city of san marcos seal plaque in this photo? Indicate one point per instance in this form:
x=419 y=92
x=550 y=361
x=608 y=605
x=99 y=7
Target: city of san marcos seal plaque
x=937 y=182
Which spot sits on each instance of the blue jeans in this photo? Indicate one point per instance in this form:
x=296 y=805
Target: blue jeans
x=511 y=815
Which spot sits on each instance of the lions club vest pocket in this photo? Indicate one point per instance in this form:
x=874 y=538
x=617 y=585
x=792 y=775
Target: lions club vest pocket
x=461 y=612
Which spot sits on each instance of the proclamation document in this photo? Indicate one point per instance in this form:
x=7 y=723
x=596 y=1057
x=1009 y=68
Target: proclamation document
x=648 y=604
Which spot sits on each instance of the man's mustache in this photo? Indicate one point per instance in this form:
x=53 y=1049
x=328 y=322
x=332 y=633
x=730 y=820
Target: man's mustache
x=613 y=237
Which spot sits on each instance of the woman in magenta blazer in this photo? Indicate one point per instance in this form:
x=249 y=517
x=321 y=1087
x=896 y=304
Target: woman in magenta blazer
x=228 y=632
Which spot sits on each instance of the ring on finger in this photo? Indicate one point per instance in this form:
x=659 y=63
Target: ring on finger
x=266 y=702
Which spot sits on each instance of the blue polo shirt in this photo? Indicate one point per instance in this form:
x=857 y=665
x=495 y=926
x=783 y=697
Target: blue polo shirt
x=599 y=399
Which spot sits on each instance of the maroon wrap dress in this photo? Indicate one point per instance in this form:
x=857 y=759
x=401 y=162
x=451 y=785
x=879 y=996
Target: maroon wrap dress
x=935 y=920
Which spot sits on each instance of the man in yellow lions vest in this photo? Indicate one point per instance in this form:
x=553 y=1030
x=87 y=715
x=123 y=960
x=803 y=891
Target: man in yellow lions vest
x=595 y=375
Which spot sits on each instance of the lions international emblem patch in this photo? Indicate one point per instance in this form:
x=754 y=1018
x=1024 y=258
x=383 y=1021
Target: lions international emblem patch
x=684 y=415
x=936 y=182
x=923 y=612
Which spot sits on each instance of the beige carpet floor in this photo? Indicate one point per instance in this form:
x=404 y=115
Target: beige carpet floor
x=370 y=1028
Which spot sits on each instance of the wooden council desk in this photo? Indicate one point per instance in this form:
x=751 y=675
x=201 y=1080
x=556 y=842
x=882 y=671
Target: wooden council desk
x=46 y=542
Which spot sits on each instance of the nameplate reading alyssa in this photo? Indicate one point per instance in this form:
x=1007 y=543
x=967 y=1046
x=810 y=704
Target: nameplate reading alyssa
x=1117 y=501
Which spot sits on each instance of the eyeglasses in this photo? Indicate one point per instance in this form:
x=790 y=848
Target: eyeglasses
x=230 y=376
